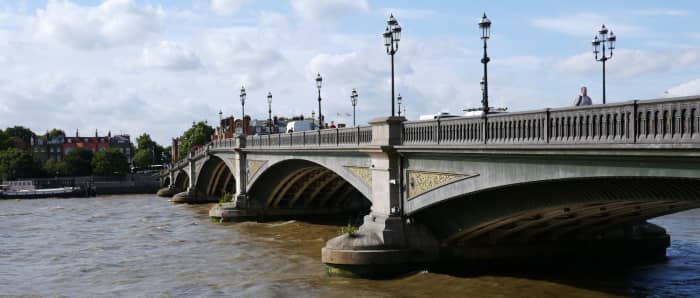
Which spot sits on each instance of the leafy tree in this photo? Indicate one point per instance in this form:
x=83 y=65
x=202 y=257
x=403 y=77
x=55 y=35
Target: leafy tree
x=20 y=136
x=143 y=158
x=55 y=168
x=56 y=132
x=110 y=162
x=78 y=162
x=148 y=152
x=4 y=141
x=16 y=164
x=199 y=134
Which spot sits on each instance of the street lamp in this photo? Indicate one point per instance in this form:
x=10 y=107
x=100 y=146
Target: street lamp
x=269 y=111
x=243 y=95
x=398 y=100
x=353 y=100
x=600 y=40
x=221 y=128
x=485 y=26
x=318 y=85
x=392 y=36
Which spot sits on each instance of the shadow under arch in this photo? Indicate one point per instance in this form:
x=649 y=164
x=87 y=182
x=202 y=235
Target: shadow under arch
x=166 y=182
x=182 y=181
x=306 y=187
x=215 y=179
x=557 y=210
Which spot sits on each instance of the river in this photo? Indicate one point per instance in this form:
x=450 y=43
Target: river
x=144 y=246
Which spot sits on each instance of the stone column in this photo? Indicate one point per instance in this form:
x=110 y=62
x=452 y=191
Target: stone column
x=385 y=244
x=241 y=173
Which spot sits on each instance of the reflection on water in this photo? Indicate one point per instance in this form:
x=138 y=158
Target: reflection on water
x=146 y=246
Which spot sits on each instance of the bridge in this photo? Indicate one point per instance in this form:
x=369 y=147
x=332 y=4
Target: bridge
x=551 y=182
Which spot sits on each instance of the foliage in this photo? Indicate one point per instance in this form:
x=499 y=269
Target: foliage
x=55 y=168
x=199 y=134
x=110 y=162
x=4 y=141
x=78 y=162
x=349 y=230
x=16 y=164
x=56 y=132
x=225 y=198
x=148 y=152
x=19 y=137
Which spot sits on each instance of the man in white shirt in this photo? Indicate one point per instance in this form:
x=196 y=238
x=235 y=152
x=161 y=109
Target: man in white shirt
x=583 y=99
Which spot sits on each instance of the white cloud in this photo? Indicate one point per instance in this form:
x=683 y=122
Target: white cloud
x=328 y=9
x=409 y=14
x=686 y=89
x=226 y=7
x=629 y=63
x=112 y=23
x=585 y=24
x=171 y=56
x=661 y=13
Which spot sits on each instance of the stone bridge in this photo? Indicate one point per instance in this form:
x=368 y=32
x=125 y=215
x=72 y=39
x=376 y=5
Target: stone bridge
x=539 y=183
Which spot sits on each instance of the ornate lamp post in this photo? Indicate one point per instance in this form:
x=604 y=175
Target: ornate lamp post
x=353 y=100
x=243 y=95
x=318 y=85
x=398 y=100
x=485 y=26
x=392 y=36
x=269 y=111
x=600 y=40
x=221 y=128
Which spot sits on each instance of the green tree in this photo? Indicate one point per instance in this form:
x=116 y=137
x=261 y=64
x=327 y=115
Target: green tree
x=20 y=136
x=148 y=152
x=110 y=162
x=55 y=168
x=199 y=134
x=17 y=164
x=78 y=162
x=56 y=132
x=143 y=158
x=4 y=141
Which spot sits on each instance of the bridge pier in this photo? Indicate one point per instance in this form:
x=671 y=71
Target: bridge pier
x=387 y=242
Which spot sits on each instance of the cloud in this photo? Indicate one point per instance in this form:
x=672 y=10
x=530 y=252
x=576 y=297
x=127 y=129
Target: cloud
x=661 y=13
x=226 y=7
x=686 y=89
x=112 y=23
x=171 y=56
x=409 y=14
x=328 y=9
x=629 y=63
x=585 y=24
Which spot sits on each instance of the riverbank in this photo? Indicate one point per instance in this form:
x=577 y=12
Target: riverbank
x=95 y=186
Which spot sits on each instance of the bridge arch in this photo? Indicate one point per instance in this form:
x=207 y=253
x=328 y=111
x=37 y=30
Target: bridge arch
x=215 y=178
x=304 y=184
x=557 y=210
x=165 y=182
x=182 y=180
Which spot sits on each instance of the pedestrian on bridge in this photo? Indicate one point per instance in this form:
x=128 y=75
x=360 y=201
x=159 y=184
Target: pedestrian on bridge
x=583 y=99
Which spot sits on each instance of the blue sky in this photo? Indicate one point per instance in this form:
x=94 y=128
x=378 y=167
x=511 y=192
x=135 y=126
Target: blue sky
x=156 y=66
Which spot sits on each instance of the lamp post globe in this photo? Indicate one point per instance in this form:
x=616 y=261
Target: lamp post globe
x=398 y=101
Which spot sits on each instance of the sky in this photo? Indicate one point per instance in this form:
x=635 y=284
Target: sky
x=130 y=66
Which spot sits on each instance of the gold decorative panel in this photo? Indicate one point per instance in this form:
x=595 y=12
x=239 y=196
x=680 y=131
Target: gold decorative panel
x=420 y=182
x=253 y=167
x=364 y=173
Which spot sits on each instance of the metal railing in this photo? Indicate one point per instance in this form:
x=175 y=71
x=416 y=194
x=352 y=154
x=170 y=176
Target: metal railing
x=664 y=121
x=334 y=137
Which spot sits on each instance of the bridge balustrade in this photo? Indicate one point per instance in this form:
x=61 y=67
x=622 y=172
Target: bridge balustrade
x=665 y=121
x=349 y=136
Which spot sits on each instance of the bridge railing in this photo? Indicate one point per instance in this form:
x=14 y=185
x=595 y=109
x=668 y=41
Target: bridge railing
x=334 y=137
x=664 y=121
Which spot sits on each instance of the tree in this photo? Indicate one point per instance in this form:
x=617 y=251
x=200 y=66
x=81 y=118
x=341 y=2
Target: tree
x=148 y=152
x=198 y=135
x=20 y=136
x=78 y=162
x=110 y=162
x=55 y=168
x=15 y=164
x=56 y=132
x=143 y=158
x=4 y=141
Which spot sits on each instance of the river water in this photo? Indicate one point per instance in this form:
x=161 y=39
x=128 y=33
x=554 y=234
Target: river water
x=144 y=246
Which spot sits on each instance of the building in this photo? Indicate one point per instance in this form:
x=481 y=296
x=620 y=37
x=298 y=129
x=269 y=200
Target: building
x=56 y=147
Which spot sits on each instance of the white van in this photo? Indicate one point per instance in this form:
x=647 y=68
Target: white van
x=300 y=125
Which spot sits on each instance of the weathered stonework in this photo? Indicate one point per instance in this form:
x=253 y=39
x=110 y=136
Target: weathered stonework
x=363 y=173
x=253 y=167
x=420 y=182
